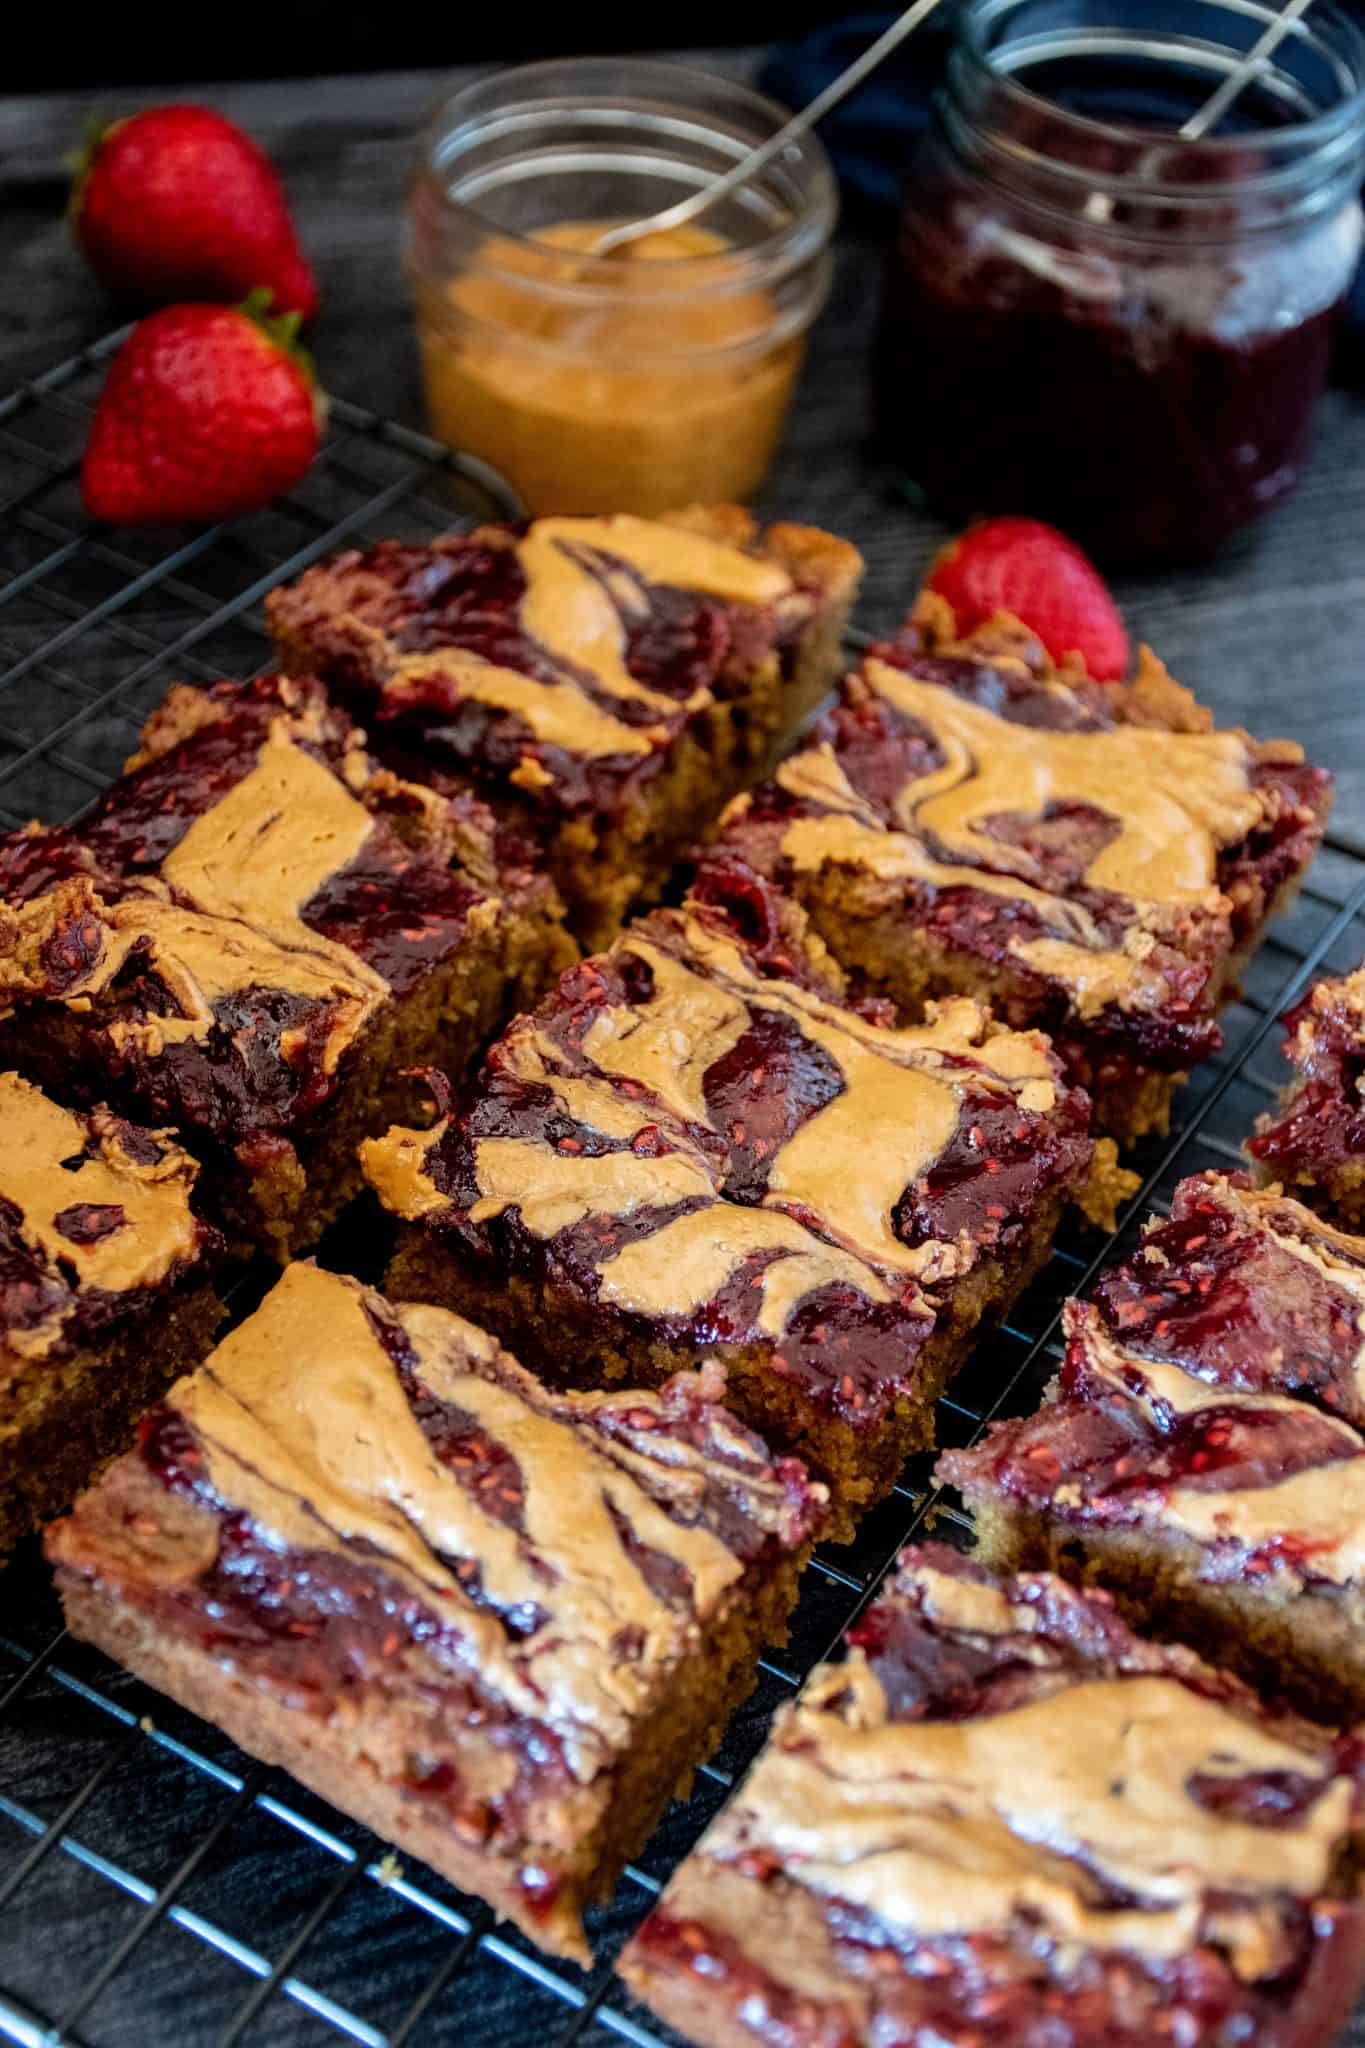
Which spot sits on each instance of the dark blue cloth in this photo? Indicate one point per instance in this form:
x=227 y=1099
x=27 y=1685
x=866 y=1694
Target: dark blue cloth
x=872 y=135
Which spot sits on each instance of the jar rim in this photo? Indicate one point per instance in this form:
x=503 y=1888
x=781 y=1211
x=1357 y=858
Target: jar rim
x=473 y=111
x=1316 y=145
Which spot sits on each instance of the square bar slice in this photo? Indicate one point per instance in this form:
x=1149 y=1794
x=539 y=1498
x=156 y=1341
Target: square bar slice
x=498 y=1625
x=1202 y=1452
x=106 y=1293
x=695 y=1147
x=1007 y=1822
x=1094 y=859
x=1314 y=1144
x=604 y=683
x=253 y=934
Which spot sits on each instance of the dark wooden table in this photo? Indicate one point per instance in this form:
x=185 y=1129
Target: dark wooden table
x=1269 y=634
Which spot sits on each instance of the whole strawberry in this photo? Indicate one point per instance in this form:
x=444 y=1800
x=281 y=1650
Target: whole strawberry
x=1035 y=572
x=177 y=203
x=207 y=411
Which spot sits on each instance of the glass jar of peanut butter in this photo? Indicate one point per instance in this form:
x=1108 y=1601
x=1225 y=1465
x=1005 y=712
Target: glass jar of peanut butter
x=634 y=382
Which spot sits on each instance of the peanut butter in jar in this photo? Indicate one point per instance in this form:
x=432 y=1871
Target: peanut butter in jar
x=639 y=404
x=634 y=382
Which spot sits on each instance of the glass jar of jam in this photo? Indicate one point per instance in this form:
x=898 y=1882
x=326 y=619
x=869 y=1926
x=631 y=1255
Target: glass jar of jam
x=635 y=382
x=1092 y=320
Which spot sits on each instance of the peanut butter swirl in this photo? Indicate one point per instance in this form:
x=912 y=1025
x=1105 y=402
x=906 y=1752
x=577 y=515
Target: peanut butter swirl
x=224 y=914
x=576 y=607
x=306 y=1427
x=1318 y=1513
x=1213 y=1390
x=828 y=1210
x=1076 y=1812
x=199 y=959
x=1315 y=1516
x=1174 y=800
x=97 y=1210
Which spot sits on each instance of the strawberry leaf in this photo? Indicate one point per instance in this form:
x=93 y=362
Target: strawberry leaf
x=281 y=330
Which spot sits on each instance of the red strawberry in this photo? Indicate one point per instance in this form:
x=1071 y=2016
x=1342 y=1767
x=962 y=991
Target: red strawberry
x=1031 y=570
x=207 y=411
x=177 y=203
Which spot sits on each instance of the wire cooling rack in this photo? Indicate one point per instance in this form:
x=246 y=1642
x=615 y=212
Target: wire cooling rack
x=156 y=1886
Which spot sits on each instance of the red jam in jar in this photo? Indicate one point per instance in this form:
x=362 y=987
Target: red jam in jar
x=1093 y=320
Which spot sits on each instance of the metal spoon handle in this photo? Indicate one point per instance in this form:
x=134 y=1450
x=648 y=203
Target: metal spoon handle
x=758 y=159
x=1266 y=44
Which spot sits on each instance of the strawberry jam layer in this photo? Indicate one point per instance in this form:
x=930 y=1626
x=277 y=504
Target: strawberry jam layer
x=1115 y=1464
x=973 y=1989
x=1320 y=1131
x=1234 y=1303
x=1322 y=1125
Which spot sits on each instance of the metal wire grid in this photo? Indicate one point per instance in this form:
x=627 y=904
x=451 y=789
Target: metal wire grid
x=155 y=1885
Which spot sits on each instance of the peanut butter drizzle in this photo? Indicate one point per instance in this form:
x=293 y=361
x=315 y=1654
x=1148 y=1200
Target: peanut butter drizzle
x=396 y=1167
x=305 y=1427
x=1323 y=1507
x=1097 y=980
x=570 y=612
x=687 y=1263
x=669 y=1045
x=264 y=850
x=158 y=1228
x=968 y=1604
x=556 y=714
x=555 y=1190
x=244 y=871
x=1175 y=796
x=202 y=959
x=1176 y=799
x=576 y=617
x=897 y=1110
x=675 y=556
x=947 y=1828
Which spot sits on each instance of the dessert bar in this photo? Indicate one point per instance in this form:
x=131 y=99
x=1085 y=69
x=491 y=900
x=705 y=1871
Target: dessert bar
x=498 y=1625
x=1094 y=859
x=1007 y=1820
x=605 y=683
x=1315 y=1142
x=106 y=1293
x=1202 y=1451
x=253 y=934
x=695 y=1146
